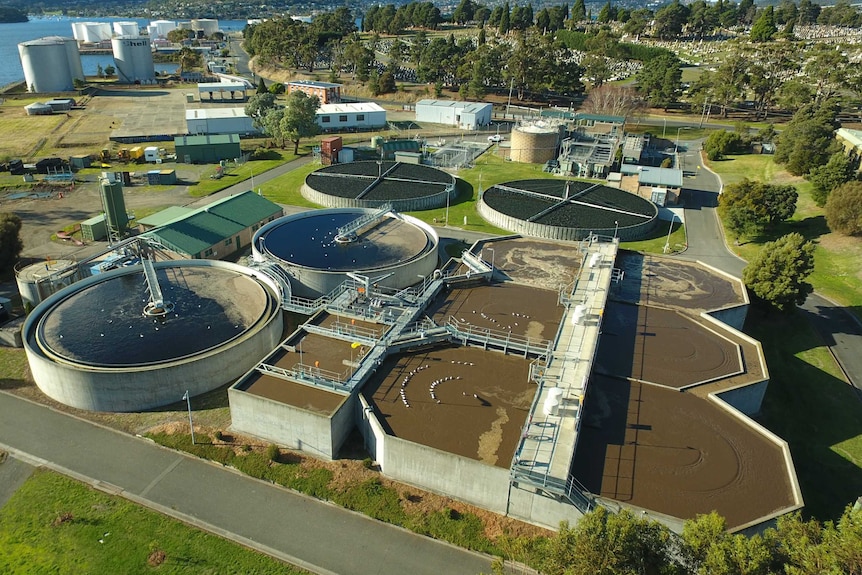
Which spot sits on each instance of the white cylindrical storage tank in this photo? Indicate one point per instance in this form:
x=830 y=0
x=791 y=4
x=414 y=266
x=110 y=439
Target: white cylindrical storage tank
x=160 y=28
x=208 y=26
x=38 y=281
x=127 y=28
x=50 y=64
x=91 y=32
x=134 y=59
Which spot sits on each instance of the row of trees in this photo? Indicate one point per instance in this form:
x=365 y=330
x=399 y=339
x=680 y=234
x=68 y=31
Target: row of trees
x=603 y=543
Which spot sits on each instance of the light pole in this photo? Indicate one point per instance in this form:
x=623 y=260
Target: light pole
x=616 y=228
x=669 y=230
x=448 y=193
x=664 y=128
x=188 y=399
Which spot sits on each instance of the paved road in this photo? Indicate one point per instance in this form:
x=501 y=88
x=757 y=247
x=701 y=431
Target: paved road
x=327 y=538
x=840 y=330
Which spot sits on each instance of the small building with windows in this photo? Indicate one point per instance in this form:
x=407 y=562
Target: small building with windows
x=345 y=117
x=219 y=121
x=326 y=92
x=216 y=231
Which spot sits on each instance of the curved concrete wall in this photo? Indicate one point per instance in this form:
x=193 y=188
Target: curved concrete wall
x=314 y=282
x=136 y=389
x=532 y=229
x=406 y=205
x=534 y=147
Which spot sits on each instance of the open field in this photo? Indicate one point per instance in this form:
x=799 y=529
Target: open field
x=58 y=525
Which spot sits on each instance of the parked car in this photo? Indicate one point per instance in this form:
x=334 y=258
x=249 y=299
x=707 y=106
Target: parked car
x=495 y=138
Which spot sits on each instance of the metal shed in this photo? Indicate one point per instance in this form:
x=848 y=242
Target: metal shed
x=209 y=149
x=94 y=229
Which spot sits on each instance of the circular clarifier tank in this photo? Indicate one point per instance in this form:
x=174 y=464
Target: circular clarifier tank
x=92 y=346
x=317 y=251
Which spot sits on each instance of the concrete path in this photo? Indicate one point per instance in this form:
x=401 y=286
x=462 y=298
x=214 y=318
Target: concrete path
x=266 y=517
x=840 y=330
x=13 y=474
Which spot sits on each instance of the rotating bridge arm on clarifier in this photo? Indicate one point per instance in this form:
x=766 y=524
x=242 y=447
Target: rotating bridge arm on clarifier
x=347 y=233
x=157 y=304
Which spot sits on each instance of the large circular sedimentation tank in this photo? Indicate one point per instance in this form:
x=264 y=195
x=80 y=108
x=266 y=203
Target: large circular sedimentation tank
x=134 y=59
x=90 y=346
x=567 y=210
x=406 y=187
x=305 y=246
x=51 y=64
x=534 y=144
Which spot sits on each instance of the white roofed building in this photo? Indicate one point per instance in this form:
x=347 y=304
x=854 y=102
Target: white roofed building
x=357 y=116
x=219 y=121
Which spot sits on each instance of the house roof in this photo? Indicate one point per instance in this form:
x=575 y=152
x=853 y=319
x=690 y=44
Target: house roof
x=361 y=107
x=196 y=233
x=206 y=140
x=649 y=176
x=165 y=216
x=245 y=209
x=213 y=113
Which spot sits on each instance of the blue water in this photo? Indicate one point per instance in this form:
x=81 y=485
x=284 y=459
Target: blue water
x=13 y=34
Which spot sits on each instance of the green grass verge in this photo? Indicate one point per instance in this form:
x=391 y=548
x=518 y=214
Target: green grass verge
x=814 y=410
x=235 y=175
x=837 y=259
x=370 y=497
x=53 y=524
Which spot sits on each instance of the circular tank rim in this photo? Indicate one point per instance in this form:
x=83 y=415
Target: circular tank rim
x=33 y=320
x=450 y=185
x=430 y=232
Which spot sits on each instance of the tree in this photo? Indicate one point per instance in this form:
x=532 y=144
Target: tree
x=579 y=11
x=100 y=72
x=844 y=209
x=808 y=142
x=10 y=242
x=721 y=142
x=261 y=86
x=187 y=58
x=258 y=106
x=838 y=170
x=613 y=100
x=109 y=71
x=659 y=80
x=270 y=124
x=778 y=272
x=300 y=120
x=670 y=19
x=764 y=29
x=277 y=88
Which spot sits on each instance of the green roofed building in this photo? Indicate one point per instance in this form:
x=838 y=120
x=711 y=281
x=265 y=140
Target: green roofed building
x=207 y=149
x=216 y=231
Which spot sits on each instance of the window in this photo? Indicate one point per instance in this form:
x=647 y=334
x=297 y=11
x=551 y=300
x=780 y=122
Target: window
x=342 y=118
x=208 y=253
x=360 y=117
x=228 y=241
x=324 y=119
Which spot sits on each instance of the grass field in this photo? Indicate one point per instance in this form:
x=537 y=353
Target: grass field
x=837 y=262
x=53 y=524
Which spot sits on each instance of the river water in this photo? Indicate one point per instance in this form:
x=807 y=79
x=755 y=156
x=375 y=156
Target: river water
x=13 y=34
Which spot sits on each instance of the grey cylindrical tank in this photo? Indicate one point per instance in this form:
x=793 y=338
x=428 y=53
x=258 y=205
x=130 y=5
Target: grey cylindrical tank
x=134 y=59
x=39 y=280
x=51 y=64
x=115 y=206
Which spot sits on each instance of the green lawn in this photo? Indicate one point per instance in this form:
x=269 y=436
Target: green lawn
x=236 y=174
x=53 y=524
x=837 y=260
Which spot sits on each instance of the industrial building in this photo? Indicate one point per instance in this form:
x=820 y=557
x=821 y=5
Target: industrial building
x=345 y=117
x=208 y=149
x=465 y=115
x=326 y=92
x=134 y=59
x=215 y=231
x=219 y=121
x=51 y=64
x=660 y=185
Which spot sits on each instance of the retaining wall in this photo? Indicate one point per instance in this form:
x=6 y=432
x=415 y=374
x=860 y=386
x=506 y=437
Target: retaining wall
x=431 y=202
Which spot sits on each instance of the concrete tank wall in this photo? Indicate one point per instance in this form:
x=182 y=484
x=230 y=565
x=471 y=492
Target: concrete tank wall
x=290 y=426
x=533 y=146
x=465 y=479
x=38 y=281
x=134 y=59
x=50 y=64
x=530 y=504
x=532 y=229
x=136 y=389
x=406 y=205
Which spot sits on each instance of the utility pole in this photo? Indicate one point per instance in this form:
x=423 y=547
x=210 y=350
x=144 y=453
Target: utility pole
x=509 y=104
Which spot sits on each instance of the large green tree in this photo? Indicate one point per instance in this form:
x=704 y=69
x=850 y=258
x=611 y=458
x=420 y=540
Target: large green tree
x=838 y=170
x=808 y=141
x=659 y=81
x=844 y=209
x=778 y=273
x=764 y=29
x=258 y=106
x=10 y=242
x=300 y=119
